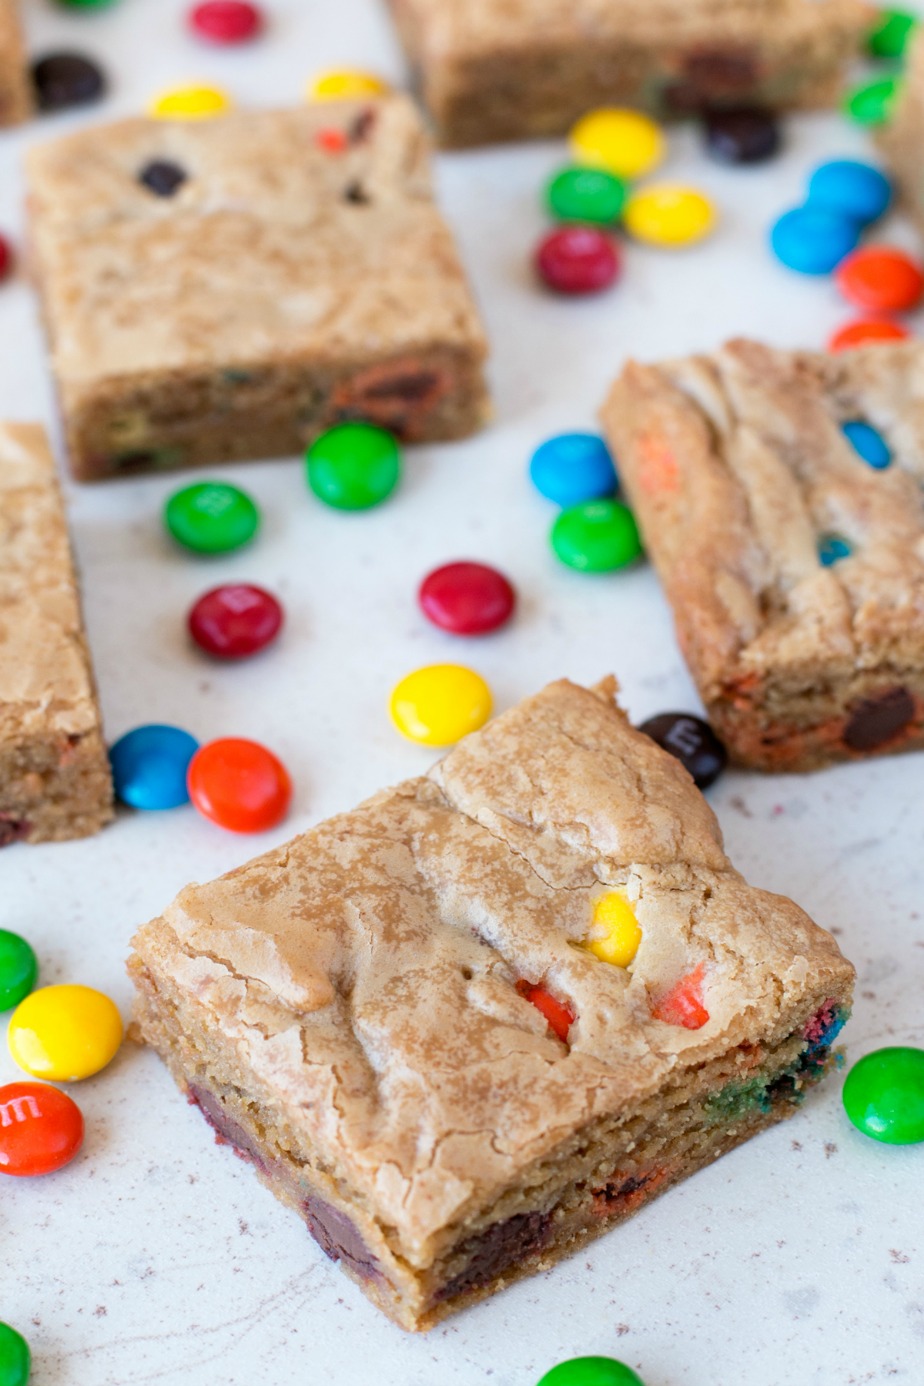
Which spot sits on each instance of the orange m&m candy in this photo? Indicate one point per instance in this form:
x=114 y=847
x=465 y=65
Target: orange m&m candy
x=880 y=279
x=239 y=785
x=865 y=331
x=41 y=1129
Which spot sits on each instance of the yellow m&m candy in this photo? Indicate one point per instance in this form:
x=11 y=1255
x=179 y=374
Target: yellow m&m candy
x=615 y=933
x=624 y=142
x=346 y=83
x=669 y=216
x=64 y=1033
x=190 y=103
x=439 y=704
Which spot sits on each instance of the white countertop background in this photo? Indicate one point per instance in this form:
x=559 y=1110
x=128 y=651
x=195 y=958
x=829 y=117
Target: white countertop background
x=157 y=1256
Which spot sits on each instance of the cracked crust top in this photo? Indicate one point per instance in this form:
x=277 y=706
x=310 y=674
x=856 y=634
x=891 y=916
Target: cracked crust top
x=45 y=681
x=366 y=972
x=737 y=466
x=274 y=248
x=473 y=26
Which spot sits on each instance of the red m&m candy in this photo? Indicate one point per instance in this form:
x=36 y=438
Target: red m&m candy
x=234 y=621
x=880 y=279
x=225 y=21
x=41 y=1129
x=865 y=331
x=467 y=598
x=6 y=258
x=239 y=785
x=577 y=260
x=559 y=1016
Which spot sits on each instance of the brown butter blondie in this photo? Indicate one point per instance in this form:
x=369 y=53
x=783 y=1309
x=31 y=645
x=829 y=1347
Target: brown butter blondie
x=523 y=68
x=902 y=138
x=15 y=84
x=396 y=1018
x=54 y=770
x=228 y=288
x=794 y=568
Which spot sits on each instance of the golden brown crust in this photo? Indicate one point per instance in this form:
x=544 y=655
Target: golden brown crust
x=54 y=770
x=736 y=466
x=902 y=137
x=363 y=977
x=15 y=85
x=283 y=285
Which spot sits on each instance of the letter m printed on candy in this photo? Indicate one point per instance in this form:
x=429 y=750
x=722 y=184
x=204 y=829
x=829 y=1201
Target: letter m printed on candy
x=19 y=1109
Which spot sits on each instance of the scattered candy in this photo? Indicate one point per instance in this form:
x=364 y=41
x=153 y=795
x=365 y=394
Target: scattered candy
x=573 y=467
x=559 y=1016
x=669 y=216
x=868 y=442
x=354 y=466
x=881 y=279
x=225 y=21
x=211 y=517
x=18 y=969
x=813 y=240
x=149 y=766
x=586 y=194
x=6 y=258
x=190 y=103
x=467 y=598
x=15 y=1358
x=577 y=260
x=873 y=103
x=832 y=548
x=623 y=142
x=341 y=84
x=591 y=1371
x=162 y=177
x=239 y=785
x=683 y=1005
x=692 y=741
x=866 y=331
x=235 y=620
x=615 y=933
x=439 y=704
x=596 y=536
x=855 y=190
x=892 y=33
x=62 y=80
x=745 y=136
x=884 y=1095
x=64 y=1033
x=41 y=1130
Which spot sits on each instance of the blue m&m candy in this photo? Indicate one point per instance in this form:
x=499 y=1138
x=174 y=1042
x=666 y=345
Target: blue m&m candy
x=813 y=240
x=832 y=548
x=149 y=766
x=855 y=190
x=868 y=442
x=572 y=468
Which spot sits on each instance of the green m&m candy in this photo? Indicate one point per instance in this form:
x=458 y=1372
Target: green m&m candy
x=587 y=194
x=873 y=104
x=596 y=536
x=591 y=1371
x=18 y=969
x=890 y=35
x=211 y=517
x=884 y=1095
x=15 y=1358
x=354 y=466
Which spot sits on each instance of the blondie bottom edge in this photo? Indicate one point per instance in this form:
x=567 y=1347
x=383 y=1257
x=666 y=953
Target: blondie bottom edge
x=602 y=1174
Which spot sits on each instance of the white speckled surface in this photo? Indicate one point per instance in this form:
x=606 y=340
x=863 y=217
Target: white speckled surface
x=156 y=1256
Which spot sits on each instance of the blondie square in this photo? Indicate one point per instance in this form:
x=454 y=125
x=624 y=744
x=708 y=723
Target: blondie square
x=902 y=138
x=491 y=71
x=398 y=1019
x=780 y=497
x=54 y=770
x=15 y=86
x=229 y=288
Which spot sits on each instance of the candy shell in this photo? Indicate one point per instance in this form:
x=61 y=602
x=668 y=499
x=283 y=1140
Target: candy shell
x=353 y=466
x=854 y=189
x=622 y=141
x=190 y=103
x=15 y=1358
x=692 y=741
x=235 y=621
x=149 y=766
x=591 y=1371
x=41 y=1130
x=211 y=517
x=881 y=279
x=865 y=332
x=64 y=80
x=868 y=443
x=596 y=537
x=64 y=1033
x=891 y=34
x=18 y=969
x=226 y=21
x=346 y=84
x=669 y=216
x=439 y=704
x=239 y=785
x=747 y=135
x=586 y=194
x=577 y=260
x=467 y=598
x=884 y=1095
x=573 y=467
x=832 y=548
x=873 y=103
x=813 y=240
